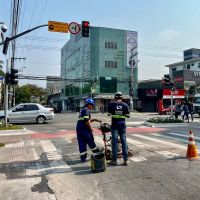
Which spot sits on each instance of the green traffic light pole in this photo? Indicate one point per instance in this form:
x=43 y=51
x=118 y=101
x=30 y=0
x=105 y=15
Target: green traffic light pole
x=6 y=43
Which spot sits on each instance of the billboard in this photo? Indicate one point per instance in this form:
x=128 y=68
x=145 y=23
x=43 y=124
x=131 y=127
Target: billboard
x=132 y=48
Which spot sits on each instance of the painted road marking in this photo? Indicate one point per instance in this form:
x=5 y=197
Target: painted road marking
x=168 y=154
x=55 y=159
x=160 y=141
x=137 y=143
x=184 y=135
x=138 y=159
x=18 y=144
x=170 y=137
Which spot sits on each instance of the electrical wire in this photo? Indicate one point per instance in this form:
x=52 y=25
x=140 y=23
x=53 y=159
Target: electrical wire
x=40 y=19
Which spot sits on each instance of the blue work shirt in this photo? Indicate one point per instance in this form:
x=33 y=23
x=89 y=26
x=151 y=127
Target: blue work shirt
x=118 y=111
x=84 y=116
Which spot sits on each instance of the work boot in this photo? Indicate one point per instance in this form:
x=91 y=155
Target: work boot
x=112 y=162
x=126 y=162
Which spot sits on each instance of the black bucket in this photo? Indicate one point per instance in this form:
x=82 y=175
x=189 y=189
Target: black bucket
x=98 y=163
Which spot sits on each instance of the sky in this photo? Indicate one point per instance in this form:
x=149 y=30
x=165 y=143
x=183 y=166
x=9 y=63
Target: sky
x=165 y=28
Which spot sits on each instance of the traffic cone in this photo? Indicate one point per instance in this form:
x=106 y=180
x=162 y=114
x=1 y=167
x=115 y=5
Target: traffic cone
x=191 y=150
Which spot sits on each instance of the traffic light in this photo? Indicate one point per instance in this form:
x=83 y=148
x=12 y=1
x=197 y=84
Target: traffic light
x=13 y=76
x=7 y=78
x=167 y=80
x=171 y=86
x=5 y=46
x=85 y=28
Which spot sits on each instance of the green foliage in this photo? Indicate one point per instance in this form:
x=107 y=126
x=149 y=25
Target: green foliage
x=164 y=120
x=30 y=93
x=2 y=73
x=10 y=127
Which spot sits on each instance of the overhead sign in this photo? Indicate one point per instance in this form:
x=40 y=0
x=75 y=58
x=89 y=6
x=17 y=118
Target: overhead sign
x=57 y=26
x=74 y=28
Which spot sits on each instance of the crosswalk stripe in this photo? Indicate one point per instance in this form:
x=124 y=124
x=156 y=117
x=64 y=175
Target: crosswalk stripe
x=175 y=138
x=160 y=141
x=137 y=143
x=55 y=159
x=183 y=135
x=170 y=137
x=138 y=159
x=167 y=154
x=18 y=144
x=98 y=140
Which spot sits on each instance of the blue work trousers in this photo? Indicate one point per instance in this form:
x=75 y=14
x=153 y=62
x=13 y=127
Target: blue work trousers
x=122 y=135
x=85 y=137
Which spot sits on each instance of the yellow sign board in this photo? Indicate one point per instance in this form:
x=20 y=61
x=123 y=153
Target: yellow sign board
x=58 y=26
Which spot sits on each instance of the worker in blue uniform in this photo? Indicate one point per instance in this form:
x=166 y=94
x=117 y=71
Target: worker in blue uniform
x=118 y=110
x=84 y=130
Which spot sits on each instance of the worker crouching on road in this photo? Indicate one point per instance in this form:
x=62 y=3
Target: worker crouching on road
x=118 y=110
x=84 y=130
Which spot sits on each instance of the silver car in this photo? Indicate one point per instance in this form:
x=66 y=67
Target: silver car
x=27 y=113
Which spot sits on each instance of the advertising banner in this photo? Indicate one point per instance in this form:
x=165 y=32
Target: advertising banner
x=132 y=48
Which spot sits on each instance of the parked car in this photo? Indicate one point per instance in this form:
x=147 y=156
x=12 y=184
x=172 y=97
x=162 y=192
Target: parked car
x=28 y=113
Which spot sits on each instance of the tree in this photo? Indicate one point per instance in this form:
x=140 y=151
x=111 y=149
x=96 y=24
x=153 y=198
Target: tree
x=30 y=93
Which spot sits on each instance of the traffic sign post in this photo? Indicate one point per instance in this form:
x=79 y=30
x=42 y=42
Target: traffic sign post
x=57 y=26
x=74 y=28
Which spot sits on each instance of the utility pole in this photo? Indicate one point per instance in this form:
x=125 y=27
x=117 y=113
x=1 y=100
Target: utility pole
x=132 y=63
x=6 y=97
x=131 y=87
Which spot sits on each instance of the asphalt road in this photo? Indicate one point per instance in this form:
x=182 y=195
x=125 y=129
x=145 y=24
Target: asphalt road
x=45 y=165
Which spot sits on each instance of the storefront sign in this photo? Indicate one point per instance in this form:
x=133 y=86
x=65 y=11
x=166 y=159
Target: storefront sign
x=151 y=92
x=177 y=94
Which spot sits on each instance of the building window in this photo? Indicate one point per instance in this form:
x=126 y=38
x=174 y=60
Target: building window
x=111 y=64
x=192 y=64
x=188 y=66
x=173 y=70
x=110 y=45
x=198 y=65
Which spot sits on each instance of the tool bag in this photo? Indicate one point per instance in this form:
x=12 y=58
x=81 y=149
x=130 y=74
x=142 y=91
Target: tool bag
x=98 y=163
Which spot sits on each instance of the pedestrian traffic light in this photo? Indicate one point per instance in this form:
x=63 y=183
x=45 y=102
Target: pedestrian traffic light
x=85 y=28
x=167 y=80
x=13 y=76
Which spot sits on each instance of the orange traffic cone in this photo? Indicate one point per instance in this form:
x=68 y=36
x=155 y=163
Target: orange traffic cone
x=191 y=150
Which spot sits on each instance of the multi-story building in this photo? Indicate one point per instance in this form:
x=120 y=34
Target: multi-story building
x=53 y=90
x=186 y=74
x=191 y=54
x=98 y=66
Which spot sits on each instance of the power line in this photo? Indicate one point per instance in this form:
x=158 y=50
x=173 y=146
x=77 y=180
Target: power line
x=41 y=16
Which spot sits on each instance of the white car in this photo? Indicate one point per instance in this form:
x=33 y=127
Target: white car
x=28 y=113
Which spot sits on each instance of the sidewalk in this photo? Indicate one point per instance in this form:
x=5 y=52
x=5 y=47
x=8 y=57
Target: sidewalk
x=19 y=177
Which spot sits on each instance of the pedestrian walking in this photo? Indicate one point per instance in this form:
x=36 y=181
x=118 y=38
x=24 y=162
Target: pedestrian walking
x=118 y=110
x=191 y=110
x=186 y=111
x=84 y=130
x=177 y=109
